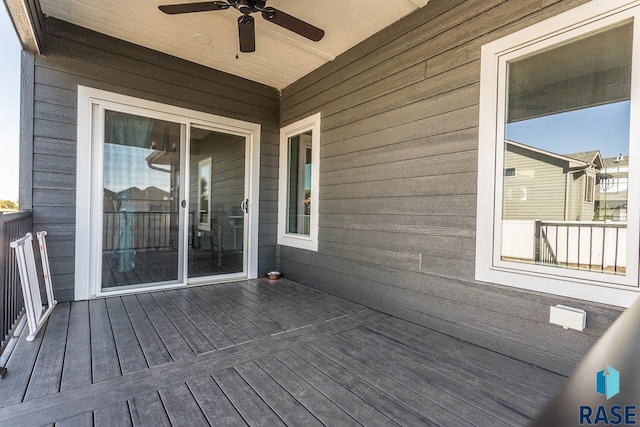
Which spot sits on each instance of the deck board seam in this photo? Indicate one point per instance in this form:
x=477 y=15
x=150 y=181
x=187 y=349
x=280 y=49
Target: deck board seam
x=421 y=393
x=206 y=316
x=211 y=340
x=225 y=307
x=220 y=313
x=32 y=366
x=113 y=337
x=327 y=395
x=227 y=310
x=260 y=392
x=64 y=351
x=409 y=366
x=408 y=411
x=400 y=386
x=266 y=312
x=185 y=335
x=546 y=392
x=471 y=369
x=124 y=387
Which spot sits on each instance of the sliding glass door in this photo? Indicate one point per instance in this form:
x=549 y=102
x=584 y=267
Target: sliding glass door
x=217 y=204
x=141 y=201
x=163 y=196
x=141 y=218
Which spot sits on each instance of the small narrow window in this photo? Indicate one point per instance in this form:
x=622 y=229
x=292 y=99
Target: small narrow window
x=510 y=172
x=299 y=179
x=589 y=189
x=299 y=170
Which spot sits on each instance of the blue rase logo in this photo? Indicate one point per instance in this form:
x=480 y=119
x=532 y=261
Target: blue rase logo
x=608 y=385
x=608 y=382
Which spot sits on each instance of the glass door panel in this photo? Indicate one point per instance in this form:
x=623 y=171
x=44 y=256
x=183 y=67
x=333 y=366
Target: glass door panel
x=216 y=200
x=141 y=201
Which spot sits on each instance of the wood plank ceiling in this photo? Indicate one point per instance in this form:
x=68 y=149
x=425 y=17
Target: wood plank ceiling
x=211 y=38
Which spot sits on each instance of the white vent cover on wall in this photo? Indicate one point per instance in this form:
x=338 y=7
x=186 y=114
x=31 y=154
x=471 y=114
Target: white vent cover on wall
x=568 y=317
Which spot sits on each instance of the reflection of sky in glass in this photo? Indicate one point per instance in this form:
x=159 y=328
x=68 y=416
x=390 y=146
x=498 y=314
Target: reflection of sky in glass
x=307 y=177
x=604 y=128
x=126 y=167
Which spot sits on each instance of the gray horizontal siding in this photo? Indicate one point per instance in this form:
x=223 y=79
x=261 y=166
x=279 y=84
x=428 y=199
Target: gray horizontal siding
x=398 y=182
x=77 y=56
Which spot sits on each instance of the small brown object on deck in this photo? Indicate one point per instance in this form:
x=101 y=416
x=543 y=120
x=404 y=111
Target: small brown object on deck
x=274 y=275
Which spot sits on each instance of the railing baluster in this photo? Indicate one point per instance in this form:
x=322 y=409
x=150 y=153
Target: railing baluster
x=566 y=245
x=546 y=247
x=6 y=303
x=604 y=240
x=579 y=247
x=12 y=227
x=615 y=265
x=590 y=247
x=149 y=230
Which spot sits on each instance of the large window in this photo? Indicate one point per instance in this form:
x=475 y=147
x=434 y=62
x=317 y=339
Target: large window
x=557 y=103
x=299 y=179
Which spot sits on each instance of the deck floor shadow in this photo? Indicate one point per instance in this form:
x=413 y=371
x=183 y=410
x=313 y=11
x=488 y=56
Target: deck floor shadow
x=258 y=352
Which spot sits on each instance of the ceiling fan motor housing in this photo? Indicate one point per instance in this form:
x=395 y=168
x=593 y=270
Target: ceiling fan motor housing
x=248 y=6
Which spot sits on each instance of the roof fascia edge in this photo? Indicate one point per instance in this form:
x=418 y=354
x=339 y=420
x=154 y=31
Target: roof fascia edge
x=28 y=22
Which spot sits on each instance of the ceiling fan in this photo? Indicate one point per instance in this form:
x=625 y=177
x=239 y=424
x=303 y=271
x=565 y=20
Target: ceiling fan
x=246 y=27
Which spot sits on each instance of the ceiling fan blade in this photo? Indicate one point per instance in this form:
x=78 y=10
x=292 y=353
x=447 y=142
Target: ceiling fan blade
x=247 y=33
x=292 y=23
x=205 y=6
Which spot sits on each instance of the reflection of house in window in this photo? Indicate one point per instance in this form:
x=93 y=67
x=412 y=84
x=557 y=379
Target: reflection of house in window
x=611 y=195
x=549 y=186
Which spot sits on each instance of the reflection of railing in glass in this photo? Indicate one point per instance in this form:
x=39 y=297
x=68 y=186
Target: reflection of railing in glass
x=150 y=230
x=593 y=246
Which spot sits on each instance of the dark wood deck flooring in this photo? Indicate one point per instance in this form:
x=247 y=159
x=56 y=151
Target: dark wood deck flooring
x=257 y=353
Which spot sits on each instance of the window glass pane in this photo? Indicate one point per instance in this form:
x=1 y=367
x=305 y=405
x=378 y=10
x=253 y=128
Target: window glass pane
x=216 y=196
x=299 y=184
x=566 y=151
x=140 y=225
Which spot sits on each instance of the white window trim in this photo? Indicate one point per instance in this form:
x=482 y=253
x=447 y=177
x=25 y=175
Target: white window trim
x=289 y=239
x=618 y=290
x=87 y=254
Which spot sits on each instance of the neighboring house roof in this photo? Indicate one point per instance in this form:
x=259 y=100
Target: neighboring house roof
x=149 y=193
x=612 y=196
x=591 y=157
x=577 y=160
x=616 y=162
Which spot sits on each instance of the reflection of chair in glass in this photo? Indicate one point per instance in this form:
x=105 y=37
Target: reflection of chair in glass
x=209 y=240
x=236 y=221
x=217 y=220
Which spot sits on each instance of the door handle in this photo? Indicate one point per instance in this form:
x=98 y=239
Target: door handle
x=245 y=206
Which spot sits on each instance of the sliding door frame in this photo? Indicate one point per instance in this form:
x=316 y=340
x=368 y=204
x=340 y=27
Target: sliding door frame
x=88 y=242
